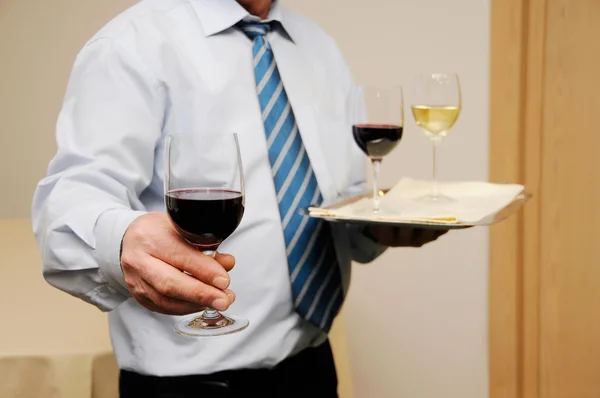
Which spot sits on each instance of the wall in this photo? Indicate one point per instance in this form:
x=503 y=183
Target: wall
x=416 y=319
x=38 y=43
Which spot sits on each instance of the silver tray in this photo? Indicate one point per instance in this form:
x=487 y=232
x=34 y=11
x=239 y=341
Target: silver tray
x=499 y=216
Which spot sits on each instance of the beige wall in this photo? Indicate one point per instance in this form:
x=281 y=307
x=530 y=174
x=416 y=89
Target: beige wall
x=416 y=319
x=38 y=43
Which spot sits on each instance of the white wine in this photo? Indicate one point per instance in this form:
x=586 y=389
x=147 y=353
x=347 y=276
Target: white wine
x=436 y=120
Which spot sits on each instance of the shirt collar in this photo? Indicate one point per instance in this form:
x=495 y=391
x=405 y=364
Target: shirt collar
x=217 y=16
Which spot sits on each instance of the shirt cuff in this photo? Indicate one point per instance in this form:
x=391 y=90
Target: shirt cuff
x=110 y=229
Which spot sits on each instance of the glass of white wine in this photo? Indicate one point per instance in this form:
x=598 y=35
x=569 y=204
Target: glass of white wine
x=436 y=105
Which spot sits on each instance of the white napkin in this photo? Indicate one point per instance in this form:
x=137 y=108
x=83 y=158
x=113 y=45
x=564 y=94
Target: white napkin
x=471 y=203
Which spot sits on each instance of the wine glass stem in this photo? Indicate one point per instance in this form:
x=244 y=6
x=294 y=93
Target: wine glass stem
x=435 y=186
x=376 y=197
x=210 y=313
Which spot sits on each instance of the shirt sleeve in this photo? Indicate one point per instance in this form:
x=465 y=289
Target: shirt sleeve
x=107 y=132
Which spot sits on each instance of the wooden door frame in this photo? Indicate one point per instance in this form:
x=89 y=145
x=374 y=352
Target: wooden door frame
x=517 y=85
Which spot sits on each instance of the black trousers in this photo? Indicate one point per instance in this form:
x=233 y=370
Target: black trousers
x=310 y=373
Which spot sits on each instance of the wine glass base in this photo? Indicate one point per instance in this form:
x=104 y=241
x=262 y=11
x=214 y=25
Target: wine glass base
x=366 y=208
x=438 y=199
x=195 y=326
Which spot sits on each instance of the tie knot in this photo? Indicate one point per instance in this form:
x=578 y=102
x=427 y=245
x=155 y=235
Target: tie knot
x=254 y=30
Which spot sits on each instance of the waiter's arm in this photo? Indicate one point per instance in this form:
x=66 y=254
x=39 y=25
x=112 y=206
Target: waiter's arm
x=107 y=133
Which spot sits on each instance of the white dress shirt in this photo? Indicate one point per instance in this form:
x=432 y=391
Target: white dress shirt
x=173 y=67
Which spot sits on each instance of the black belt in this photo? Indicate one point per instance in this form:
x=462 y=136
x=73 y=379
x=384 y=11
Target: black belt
x=310 y=373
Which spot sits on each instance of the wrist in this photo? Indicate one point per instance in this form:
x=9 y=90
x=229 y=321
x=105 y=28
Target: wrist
x=110 y=231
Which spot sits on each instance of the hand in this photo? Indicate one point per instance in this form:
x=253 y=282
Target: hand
x=403 y=236
x=156 y=262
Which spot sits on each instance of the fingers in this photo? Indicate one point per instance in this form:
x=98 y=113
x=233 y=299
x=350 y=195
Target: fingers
x=227 y=261
x=420 y=237
x=441 y=233
x=172 y=283
x=423 y=236
x=154 y=234
x=204 y=268
x=405 y=236
x=153 y=258
x=231 y=295
x=154 y=301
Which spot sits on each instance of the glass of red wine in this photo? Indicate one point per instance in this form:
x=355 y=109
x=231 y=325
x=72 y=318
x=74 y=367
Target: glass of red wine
x=377 y=115
x=204 y=197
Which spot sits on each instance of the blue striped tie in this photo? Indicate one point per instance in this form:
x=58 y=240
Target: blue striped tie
x=312 y=262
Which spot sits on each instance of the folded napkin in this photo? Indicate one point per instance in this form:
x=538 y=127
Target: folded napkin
x=472 y=203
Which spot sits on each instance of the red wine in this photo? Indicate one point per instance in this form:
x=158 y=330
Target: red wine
x=205 y=217
x=377 y=140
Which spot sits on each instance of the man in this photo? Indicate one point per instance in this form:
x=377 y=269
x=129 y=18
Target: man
x=167 y=66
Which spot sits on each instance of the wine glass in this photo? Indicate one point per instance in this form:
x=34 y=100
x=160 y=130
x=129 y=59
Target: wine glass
x=377 y=116
x=436 y=105
x=204 y=196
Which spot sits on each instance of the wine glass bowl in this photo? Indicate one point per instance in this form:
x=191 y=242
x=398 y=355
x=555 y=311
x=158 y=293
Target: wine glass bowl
x=204 y=198
x=377 y=140
x=205 y=217
x=435 y=121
